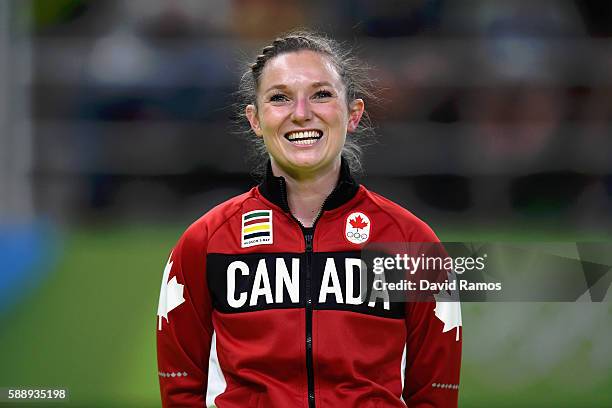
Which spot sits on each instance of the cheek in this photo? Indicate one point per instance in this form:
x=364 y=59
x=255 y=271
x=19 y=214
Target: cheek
x=271 y=118
x=334 y=115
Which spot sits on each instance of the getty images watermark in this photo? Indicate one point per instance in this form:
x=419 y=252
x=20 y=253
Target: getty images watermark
x=405 y=263
x=478 y=271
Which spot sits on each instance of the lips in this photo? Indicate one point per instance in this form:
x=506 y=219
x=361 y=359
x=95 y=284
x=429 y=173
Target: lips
x=304 y=137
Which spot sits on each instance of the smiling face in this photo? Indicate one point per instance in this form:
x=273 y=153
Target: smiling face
x=302 y=113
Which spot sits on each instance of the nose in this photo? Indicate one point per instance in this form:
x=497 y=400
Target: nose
x=301 y=111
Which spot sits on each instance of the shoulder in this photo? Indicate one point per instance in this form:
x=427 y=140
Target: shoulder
x=412 y=227
x=201 y=230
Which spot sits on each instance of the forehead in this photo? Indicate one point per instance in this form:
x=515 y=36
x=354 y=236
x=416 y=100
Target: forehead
x=299 y=68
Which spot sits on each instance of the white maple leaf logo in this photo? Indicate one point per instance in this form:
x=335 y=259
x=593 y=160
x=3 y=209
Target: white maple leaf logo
x=448 y=312
x=170 y=294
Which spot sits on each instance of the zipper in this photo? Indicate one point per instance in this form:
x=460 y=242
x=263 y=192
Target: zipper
x=308 y=239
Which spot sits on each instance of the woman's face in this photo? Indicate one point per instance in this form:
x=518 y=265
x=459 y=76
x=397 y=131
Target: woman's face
x=302 y=112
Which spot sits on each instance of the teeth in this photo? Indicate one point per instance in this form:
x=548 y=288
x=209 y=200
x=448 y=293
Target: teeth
x=303 y=135
x=305 y=141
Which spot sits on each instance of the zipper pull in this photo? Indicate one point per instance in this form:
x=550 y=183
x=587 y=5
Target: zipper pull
x=308 y=238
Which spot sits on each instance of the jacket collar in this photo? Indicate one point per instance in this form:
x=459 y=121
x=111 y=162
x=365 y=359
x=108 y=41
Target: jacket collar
x=274 y=189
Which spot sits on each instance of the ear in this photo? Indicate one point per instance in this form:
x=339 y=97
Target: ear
x=251 y=114
x=356 y=110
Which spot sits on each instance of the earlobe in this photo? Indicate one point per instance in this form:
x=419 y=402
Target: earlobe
x=356 y=112
x=251 y=114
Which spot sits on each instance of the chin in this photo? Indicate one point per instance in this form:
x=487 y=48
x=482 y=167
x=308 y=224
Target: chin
x=303 y=165
x=305 y=162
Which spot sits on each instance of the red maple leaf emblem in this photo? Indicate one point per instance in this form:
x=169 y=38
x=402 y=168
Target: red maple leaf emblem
x=358 y=222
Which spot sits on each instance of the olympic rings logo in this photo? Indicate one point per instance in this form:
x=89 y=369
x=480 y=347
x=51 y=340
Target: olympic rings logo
x=357 y=235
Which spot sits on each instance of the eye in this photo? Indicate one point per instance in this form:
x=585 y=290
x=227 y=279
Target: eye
x=278 y=98
x=323 y=94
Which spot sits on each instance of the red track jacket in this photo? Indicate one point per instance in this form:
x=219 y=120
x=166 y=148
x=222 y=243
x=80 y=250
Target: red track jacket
x=285 y=335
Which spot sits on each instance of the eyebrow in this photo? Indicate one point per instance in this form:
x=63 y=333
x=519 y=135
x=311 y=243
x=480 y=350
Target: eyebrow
x=314 y=85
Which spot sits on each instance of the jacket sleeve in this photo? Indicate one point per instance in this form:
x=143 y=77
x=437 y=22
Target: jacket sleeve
x=184 y=325
x=433 y=358
x=433 y=342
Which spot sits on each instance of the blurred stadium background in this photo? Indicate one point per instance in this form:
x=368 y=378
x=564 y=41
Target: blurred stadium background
x=116 y=133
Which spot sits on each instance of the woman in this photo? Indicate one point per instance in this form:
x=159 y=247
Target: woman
x=268 y=272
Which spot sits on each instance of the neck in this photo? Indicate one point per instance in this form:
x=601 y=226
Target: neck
x=306 y=194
